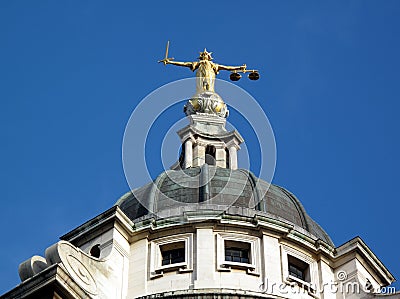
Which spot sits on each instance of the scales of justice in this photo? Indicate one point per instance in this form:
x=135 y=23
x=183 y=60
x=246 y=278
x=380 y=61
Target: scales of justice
x=206 y=100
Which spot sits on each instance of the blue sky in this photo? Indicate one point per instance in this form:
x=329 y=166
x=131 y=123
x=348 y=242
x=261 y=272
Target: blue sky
x=72 y=72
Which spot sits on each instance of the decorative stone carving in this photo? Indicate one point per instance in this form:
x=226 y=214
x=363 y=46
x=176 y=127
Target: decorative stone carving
x=76 y=263
x=206 y=102
x=31 y=267
x=101 y=278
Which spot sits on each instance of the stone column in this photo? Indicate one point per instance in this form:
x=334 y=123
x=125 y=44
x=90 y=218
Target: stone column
x=188 y=153
x=220 y=157
x=199 y=155
x=233 y=164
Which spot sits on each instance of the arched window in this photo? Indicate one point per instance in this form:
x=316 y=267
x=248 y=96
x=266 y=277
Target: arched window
x=182 y=157
x=210 y=155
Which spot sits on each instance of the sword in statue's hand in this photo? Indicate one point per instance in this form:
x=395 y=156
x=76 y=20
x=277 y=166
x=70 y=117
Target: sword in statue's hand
x=166 y=59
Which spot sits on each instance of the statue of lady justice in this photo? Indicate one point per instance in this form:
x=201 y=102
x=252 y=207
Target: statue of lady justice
x=206 y=100
x=206 y=69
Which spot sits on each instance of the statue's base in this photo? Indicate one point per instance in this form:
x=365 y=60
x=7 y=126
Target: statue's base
x=206 y=102
x=208 y=124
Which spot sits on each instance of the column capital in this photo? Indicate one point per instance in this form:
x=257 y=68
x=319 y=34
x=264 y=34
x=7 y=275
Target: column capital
x=233 y=143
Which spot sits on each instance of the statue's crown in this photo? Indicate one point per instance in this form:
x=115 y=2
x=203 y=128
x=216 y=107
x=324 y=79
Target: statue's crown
x=205 y=55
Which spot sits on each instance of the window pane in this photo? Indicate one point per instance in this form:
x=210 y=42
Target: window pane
x=236 y=254
x=296 y=272
x=173 y=256
x=298 y=268
x=245 y=260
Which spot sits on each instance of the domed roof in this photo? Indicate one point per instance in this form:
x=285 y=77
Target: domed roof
x=210 y=187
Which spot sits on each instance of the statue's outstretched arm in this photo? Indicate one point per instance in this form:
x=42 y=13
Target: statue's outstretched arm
x=231 y=68
x=179 y=63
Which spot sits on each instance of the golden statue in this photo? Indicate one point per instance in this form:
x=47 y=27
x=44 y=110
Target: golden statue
x=206 y=100
x=206 y=70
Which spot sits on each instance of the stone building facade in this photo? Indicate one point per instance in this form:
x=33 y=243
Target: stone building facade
x=210 y=230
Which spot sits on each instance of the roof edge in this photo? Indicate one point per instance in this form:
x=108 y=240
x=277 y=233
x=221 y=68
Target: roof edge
x=357 y=245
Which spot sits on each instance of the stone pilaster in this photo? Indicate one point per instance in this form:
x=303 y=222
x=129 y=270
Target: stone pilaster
x=220 y=157
x=188 y=153
x=199 y=155
x=233 y=163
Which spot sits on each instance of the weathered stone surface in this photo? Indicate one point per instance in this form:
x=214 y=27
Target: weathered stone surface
x=31 y=267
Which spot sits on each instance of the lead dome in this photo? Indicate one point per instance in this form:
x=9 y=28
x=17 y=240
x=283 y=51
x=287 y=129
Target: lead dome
x=226 y=191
